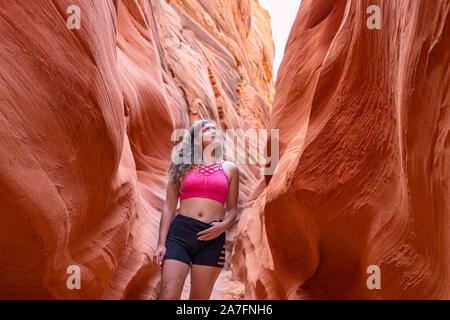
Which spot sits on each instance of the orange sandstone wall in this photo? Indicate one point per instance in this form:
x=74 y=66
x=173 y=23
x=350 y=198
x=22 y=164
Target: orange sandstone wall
x=85 y=125
x=363 y=177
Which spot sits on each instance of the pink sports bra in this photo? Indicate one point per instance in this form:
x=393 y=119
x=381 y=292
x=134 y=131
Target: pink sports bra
x=206 y=182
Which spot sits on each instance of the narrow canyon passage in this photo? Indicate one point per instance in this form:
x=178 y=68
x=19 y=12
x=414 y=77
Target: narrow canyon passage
x=87 y=115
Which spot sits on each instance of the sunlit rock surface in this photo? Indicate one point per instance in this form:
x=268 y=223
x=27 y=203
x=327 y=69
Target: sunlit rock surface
x=363 y=177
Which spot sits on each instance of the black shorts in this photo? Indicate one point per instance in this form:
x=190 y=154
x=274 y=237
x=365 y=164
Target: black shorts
x=182 y=243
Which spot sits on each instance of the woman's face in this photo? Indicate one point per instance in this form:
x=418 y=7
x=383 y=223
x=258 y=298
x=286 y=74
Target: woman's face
x=208 y=134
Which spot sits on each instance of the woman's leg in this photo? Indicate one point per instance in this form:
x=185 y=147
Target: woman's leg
x=174 y=274
x=203 y=279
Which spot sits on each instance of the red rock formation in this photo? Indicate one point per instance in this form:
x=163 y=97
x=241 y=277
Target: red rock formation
x=86 y=119
x=364 y=170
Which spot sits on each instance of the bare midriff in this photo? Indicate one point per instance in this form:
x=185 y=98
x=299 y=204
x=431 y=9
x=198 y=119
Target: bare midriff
x=203 y=209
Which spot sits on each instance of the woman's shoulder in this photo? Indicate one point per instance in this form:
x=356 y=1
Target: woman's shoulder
x=231 y=166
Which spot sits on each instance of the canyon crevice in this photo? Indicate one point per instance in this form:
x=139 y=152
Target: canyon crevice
x=86 y=118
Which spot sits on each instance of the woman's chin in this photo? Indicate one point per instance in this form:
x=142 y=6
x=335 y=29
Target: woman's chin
x=213 y=142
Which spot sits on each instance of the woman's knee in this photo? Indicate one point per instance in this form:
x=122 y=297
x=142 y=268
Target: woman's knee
x=170 y=290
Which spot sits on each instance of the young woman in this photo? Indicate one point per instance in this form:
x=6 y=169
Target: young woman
x=195 y=238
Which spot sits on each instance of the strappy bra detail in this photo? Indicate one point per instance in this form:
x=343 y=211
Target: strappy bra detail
x=207 y=181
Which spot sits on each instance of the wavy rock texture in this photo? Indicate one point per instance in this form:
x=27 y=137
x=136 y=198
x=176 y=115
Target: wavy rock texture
x=85 y=124
x=364 y=170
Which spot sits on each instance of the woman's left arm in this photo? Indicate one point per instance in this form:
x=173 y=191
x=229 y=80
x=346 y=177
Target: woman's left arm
x=232 y=198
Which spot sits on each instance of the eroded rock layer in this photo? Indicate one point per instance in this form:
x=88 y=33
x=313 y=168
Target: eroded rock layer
x=363 y=177
x=86 y=120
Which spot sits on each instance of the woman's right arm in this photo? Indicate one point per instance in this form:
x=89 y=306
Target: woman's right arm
x=170 y=206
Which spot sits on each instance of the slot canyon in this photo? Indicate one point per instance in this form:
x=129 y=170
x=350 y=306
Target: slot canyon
x=87 y=115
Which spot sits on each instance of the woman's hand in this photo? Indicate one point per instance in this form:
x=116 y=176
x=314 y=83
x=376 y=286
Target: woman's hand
x=216 y=230
x=159 y=255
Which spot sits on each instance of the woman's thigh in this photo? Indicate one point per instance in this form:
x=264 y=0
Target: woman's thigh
x=206 y=266
x=203 y=279
x=174 y=274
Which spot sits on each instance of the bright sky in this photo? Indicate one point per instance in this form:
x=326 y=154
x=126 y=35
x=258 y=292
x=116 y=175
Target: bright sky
x=282 y=14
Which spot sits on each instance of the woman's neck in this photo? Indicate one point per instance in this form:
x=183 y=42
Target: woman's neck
x=208 y=163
